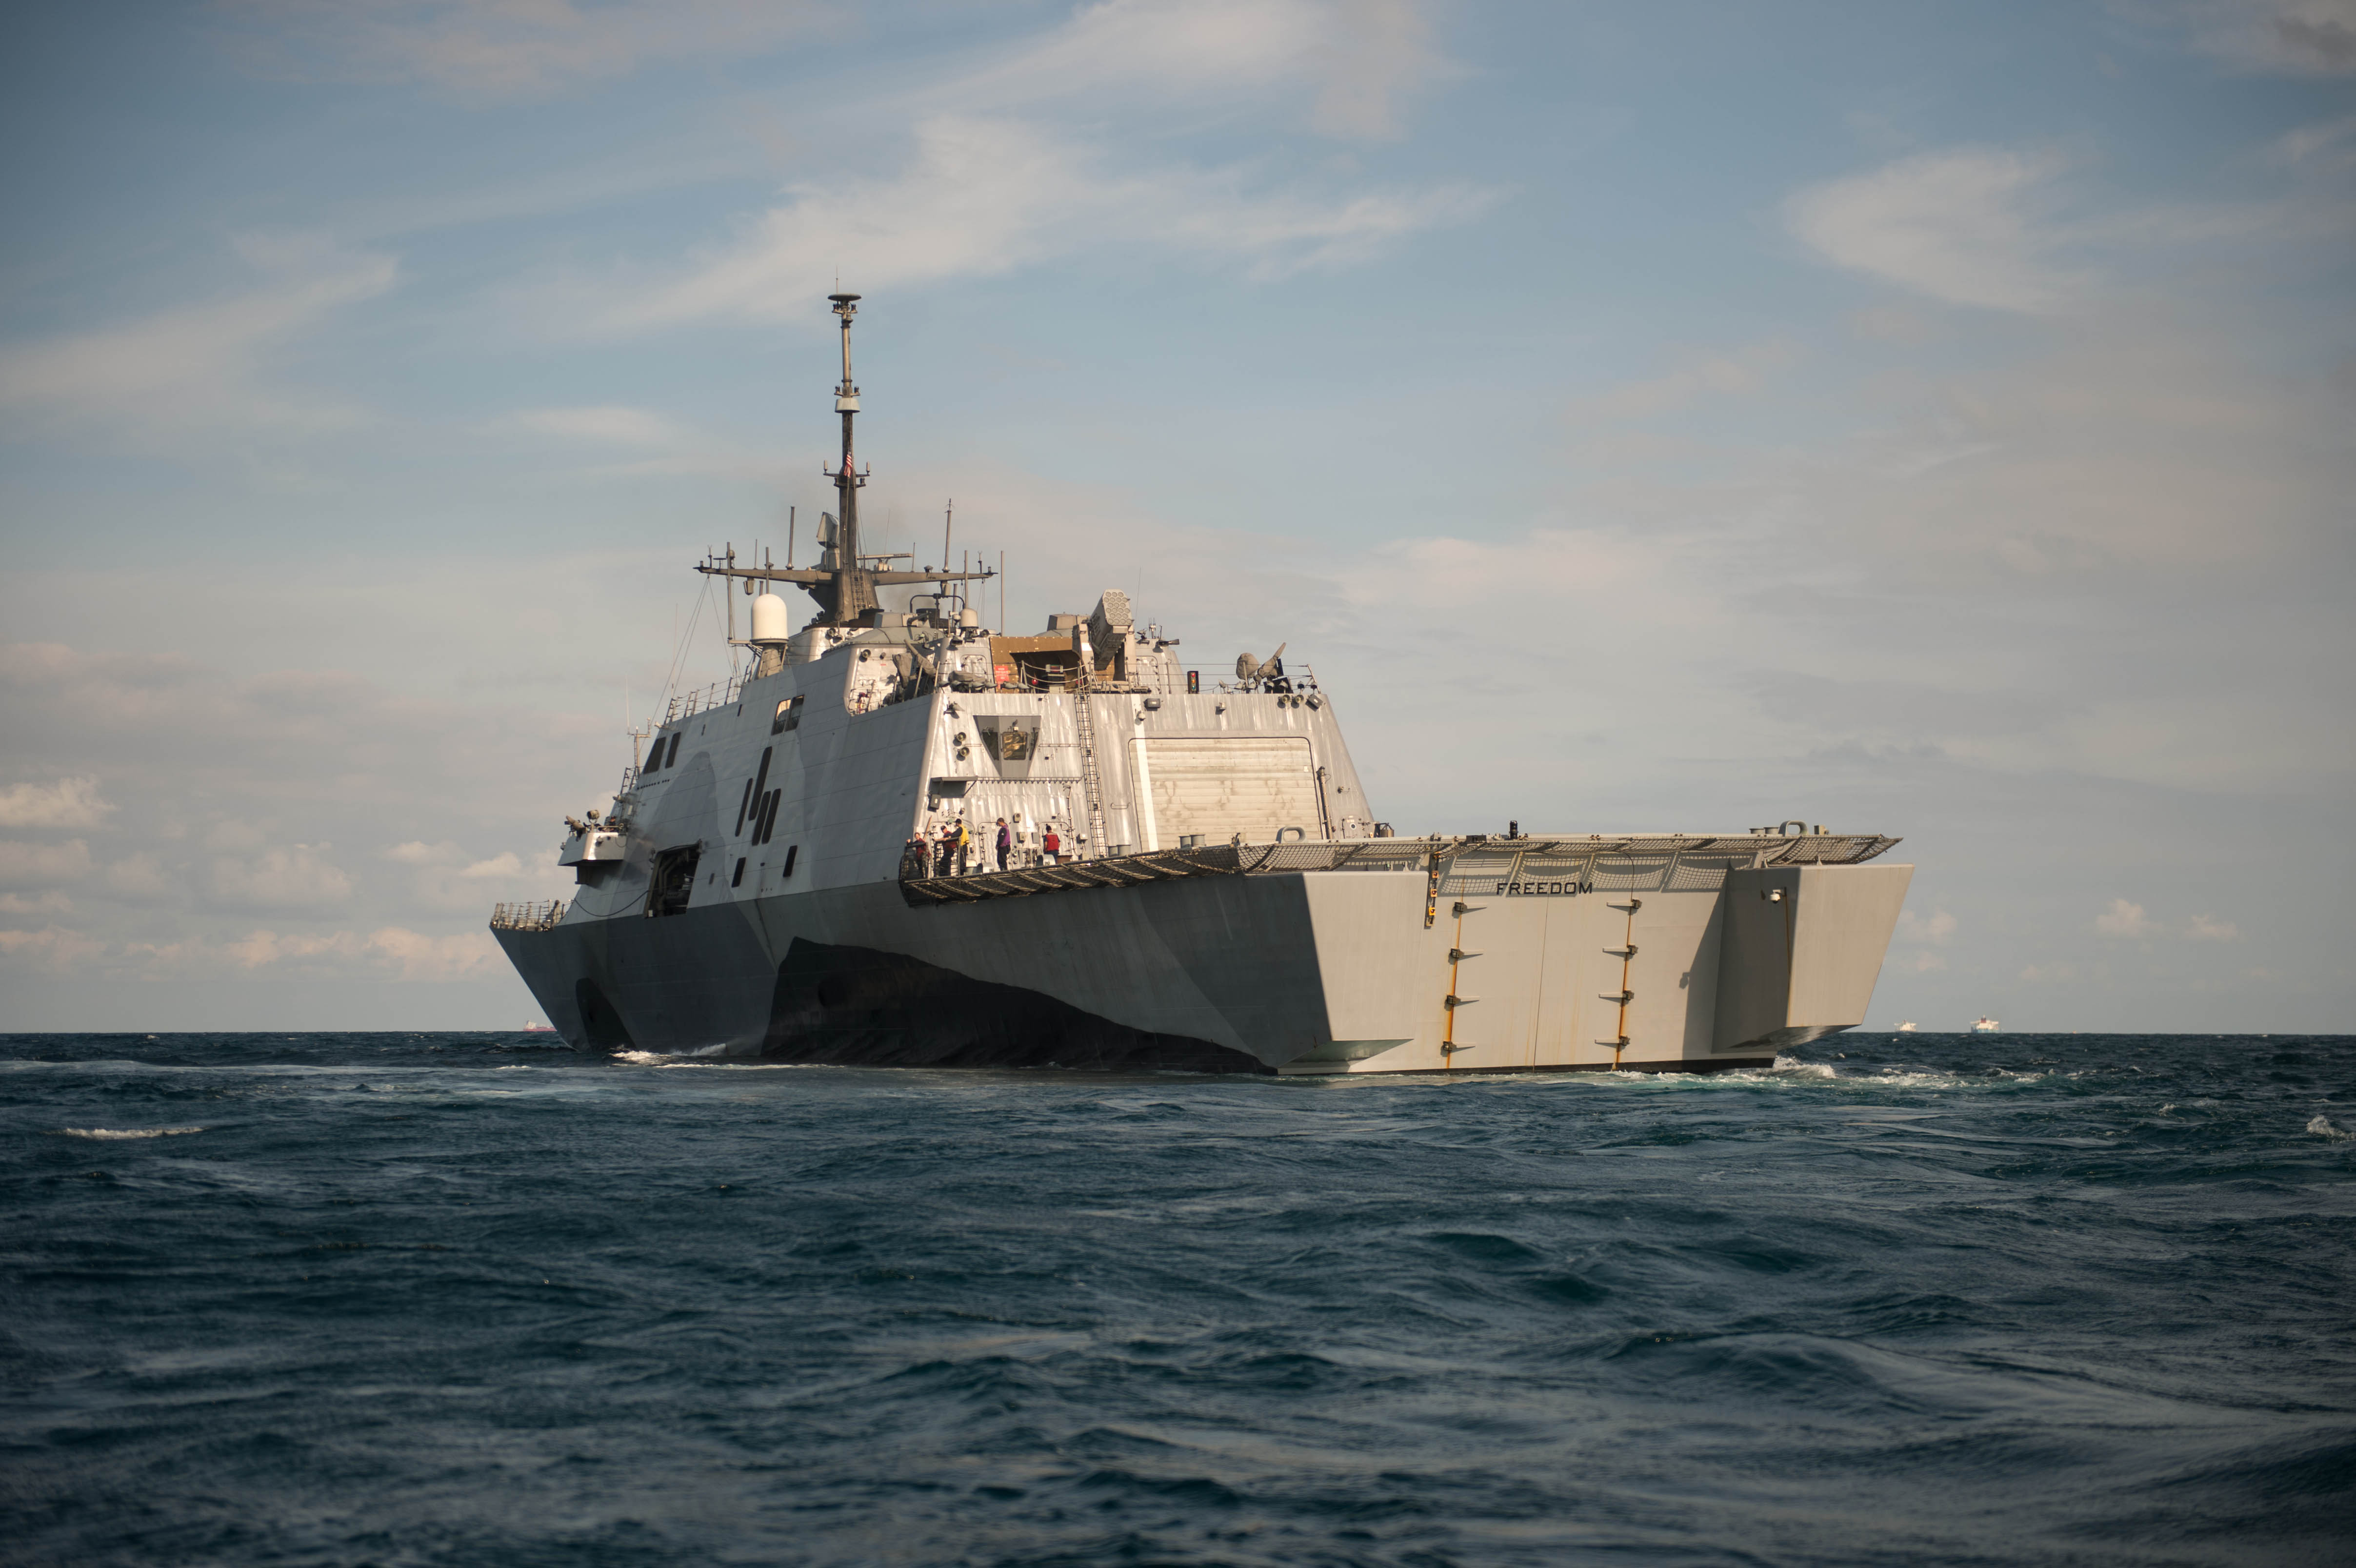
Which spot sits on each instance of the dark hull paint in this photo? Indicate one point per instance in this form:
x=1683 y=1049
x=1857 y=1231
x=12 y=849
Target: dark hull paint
x=854 y=976
x=856 y=1007
x=690 y=981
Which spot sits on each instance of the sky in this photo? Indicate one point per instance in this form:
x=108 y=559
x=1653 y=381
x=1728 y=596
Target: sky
x=1931 y=419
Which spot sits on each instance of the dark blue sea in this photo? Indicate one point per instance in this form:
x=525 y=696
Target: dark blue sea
x=467 y=1300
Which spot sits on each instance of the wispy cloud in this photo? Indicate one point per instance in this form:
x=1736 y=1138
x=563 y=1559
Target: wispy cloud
x=1938 y=929
x=53 y=948
x=266 y=767
x=1358 y=60
x=1730 y=374
x=413 y=955
x=198 y=367
x=2309 y=143
x=288 y=878
x=139 y=879
x=1956 y=226
x=981 y=197
x=395 y=950
x=1353 y=62
x=68 y=804
x=607 y=424
x=1046 y=149
x=2287 y=37
x=2001 y=230
x=621 y=441
x=458 y=955
x=23 y=865
x=2127 y=919
x=448 y=877
x=502 y=47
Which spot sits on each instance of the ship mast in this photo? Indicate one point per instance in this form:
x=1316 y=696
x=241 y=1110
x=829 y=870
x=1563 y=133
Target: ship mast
x=841 y=583
x=854 y=593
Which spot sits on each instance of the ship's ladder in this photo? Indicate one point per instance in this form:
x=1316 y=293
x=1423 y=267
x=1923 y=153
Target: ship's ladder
x=1090 y=781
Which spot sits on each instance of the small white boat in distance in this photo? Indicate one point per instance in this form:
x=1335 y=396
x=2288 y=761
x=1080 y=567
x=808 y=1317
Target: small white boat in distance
x=1906 y=1027
x=1985 y=1026
x=538 y=1029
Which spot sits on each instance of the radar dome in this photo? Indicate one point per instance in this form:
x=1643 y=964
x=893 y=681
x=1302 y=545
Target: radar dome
x=770 y=622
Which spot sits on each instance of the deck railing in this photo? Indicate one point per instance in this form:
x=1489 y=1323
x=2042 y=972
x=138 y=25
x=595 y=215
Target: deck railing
x=719 y=694
x=527 y=916
x=1670 y=860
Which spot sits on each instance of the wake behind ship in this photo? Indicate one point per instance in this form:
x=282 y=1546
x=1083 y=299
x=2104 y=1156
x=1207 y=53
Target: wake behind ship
x=808 y=865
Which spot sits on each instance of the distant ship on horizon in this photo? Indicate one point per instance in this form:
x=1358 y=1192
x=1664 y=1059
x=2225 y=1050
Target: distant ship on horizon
x=1985 y=1026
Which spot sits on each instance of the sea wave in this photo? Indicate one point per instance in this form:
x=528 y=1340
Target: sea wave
x=1098 y=1318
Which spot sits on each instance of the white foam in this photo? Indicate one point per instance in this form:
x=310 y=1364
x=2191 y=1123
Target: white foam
x=699 y=1062
x=1791 y=1070
x=2323 y=1127
x=754 y=1066
x=128 y=1132
x=700 y=1057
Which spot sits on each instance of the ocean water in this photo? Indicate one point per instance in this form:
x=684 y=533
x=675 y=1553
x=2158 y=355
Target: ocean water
x=463 y=1299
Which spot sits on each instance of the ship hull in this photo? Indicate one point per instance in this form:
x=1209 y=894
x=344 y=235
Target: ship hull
x=1314 y=973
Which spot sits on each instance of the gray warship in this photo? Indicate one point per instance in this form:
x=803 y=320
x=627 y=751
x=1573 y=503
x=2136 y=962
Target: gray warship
x=1194 y=877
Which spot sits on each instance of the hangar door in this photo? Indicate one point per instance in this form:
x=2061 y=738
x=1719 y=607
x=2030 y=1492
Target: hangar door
x=1251 y=785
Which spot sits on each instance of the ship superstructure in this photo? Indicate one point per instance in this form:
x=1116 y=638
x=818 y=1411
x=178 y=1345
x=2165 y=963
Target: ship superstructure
x=806 y=866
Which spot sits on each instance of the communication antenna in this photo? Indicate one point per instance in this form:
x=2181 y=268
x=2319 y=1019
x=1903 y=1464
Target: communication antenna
x=730 y=601
x=845 y=580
